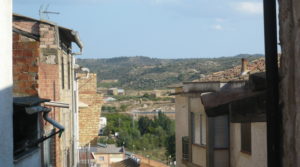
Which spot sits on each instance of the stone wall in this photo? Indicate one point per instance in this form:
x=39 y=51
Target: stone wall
x=289 y=21
x=89 y=117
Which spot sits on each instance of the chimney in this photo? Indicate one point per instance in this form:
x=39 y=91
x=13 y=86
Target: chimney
x=244 y=69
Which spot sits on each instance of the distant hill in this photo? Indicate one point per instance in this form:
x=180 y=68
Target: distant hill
x=141 y=72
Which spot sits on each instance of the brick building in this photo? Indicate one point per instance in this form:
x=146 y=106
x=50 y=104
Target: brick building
x=89 y=109
x=43 y=67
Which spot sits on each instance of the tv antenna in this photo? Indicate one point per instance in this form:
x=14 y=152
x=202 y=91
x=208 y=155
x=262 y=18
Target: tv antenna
x=44 y=12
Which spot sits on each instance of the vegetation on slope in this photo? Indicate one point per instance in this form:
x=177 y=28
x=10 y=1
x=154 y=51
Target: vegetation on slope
x=151 y=73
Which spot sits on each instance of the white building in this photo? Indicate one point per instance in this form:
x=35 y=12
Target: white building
x=6 y=112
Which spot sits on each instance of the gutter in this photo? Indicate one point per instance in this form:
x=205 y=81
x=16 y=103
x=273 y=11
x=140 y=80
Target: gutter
x=78 y=42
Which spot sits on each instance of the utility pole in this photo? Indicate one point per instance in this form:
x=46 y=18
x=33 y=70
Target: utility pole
x=274 y=115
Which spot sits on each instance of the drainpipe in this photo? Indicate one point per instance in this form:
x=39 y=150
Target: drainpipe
x=75 y=100
x=45 y=110
x=274 y=115
x=76 y=68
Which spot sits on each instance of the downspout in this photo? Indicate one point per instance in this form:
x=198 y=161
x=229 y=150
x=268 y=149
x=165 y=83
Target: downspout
x=75 y=100
x=75 y=115
x=274 y=115
x=45 y=110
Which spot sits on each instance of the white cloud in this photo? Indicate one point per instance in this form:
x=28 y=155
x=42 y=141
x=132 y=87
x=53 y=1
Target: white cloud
x=217 y=27
x=249 y=7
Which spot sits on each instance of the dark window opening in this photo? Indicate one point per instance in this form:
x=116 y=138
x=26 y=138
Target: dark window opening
x=246 y=137
x=25 y=131
x=62 y=73
x=69 y=75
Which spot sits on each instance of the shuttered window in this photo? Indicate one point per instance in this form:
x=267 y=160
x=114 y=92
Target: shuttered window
x=198 y=128
x=246 y=137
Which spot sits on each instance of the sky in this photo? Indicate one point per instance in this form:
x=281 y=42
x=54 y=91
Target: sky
x=158 y=28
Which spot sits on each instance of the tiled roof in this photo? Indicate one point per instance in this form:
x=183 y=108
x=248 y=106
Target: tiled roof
x=234 y=74
x=126 y=163
x=109 y=149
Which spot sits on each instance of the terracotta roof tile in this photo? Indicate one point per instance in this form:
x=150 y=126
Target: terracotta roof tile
x=234 y=74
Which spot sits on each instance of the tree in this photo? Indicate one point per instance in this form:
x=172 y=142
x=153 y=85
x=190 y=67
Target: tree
x=144 y=124
x=170 y=143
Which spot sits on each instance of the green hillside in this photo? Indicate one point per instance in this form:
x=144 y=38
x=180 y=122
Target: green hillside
x=141 y=72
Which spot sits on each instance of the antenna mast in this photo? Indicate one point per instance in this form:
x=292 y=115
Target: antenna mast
x=44 y=12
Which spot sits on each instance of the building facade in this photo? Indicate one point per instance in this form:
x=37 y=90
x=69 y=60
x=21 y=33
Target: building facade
x=207 y=134
x=89 y=110
x=43 y=67
x=6 y=81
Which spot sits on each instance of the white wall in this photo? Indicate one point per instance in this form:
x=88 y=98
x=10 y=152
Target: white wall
x=181 y=109
x=258 y=156
x=6 y=144
x=31 y=159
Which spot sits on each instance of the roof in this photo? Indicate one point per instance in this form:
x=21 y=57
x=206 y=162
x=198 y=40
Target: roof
x=70 y=34
x=234 y=74
x=129 y=162
x=248 y=98
x=109 y=149
x=83 y=154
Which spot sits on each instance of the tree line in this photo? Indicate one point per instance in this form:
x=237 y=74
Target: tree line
x=141 y=134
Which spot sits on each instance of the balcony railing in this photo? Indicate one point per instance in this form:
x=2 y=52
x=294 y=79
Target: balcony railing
x=185 y=148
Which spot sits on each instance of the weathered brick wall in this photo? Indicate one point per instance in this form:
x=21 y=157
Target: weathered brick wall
x=25 y=66
x=27 y=26
x=49 y=83
x=89 y=118
x=38 y=71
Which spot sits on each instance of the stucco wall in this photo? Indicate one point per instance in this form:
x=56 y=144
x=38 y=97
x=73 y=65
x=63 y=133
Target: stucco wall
x=199 y=155
x=289 y=20
x=32 y=159
x=198 y=152
x=181 y=109
x=6 y=143
x=258 y=156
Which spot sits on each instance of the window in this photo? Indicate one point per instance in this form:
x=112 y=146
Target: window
x=198 y=128
x=25 y=131
x=62 y=73
x=69 y=75
x=246 y=137
x=185 y=148
x=101 y=158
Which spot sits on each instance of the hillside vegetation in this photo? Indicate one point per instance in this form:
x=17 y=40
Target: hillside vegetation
x=141 y=72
